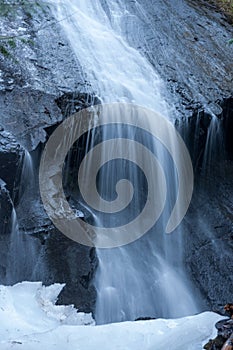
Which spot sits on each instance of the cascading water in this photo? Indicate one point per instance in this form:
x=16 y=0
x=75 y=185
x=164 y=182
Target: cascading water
x=147 y=277
x=22 y=252
x=11 y=268
x=214 y=141
x=28 y=175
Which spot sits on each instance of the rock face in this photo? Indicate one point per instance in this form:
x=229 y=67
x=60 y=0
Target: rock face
x=187 y=43
x=56 y=258
x=208 y=223
x=37 y=66
x=11 y=155
x=6 y=207
x=71 y=103
x=69 y=262
x=26 y=112
x=39 y=77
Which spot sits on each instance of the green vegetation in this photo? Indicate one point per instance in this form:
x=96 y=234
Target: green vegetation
x=6 y=46
x=8 y=9
x=11 y=9
x=23 y=40
x=4 y=9
x=4 y=51
x=30 y=42
x=12 y=43
x=27 y=41
x=9 y=44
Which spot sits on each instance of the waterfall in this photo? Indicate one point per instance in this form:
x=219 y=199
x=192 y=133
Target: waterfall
x=16 y=253
x=214 y=141
x=10 y=260
x=27 y=182
x=22 y=250
x=145 y=278
x=116 y=71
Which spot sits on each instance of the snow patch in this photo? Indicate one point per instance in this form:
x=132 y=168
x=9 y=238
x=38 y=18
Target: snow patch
x=30 y=320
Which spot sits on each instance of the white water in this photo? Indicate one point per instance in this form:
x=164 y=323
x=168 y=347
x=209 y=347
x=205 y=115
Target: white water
x=22 y=253
x=145 y=278
x=17 y=257
x=214 y=144
x=27 y=182
x=11 y=268
x=117 y=72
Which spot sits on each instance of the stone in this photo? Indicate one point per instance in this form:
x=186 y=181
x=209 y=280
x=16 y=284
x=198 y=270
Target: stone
x=73 y=102
x=6 y=207
x=223 y=341
x=64 y=261
x=31 y=111
x=208 y=222
x=11 y=154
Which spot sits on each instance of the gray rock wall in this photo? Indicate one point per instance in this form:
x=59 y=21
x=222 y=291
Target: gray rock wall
x=36 y=69
x=208 y=225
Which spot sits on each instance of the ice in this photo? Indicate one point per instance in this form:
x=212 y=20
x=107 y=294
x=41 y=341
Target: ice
x=29 y=320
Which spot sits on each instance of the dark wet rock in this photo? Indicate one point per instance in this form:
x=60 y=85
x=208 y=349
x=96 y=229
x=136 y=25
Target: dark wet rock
x=209 y=236
x=227 y=106
x=225 y=328
x=224 y=336
x=55 y=258
x=62 y=260
x=11 y=153
x=73 y=102
x=208 y=229
x=6 y=207
x=78 y=267
x=145 y=318
x=194 y=131
x=215 y=344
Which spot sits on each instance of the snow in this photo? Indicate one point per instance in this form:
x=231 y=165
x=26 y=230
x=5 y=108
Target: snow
x=29 y=320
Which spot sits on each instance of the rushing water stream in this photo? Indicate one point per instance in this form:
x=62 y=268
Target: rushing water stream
x=147 y=277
